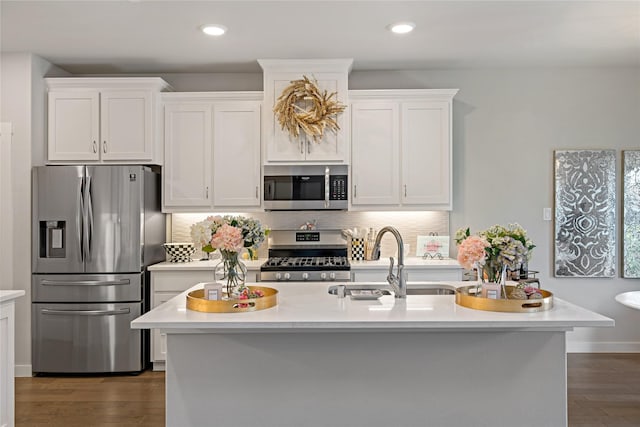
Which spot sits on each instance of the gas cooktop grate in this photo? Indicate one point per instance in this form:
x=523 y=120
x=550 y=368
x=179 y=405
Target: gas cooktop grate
x=317 y=262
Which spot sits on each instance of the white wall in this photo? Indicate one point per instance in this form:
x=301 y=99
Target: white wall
x=507 y=122
x=23 y=104
x=506 y=125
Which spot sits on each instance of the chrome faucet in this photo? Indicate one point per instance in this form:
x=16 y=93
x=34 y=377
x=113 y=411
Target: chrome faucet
x=397 y=281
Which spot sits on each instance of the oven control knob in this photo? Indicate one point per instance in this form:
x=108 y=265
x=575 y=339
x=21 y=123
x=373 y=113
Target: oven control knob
x=287 y=276
x=323 y=276
x=278 y=276
x=332 y=276
x=305 y=276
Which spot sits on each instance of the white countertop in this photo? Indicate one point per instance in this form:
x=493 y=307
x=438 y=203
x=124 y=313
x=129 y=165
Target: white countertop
x=630 y=299
x=409 y=263
x=199 y=265
x=308 y=306
x=10 y=295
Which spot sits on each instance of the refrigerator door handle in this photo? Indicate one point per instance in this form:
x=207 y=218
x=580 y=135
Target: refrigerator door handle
x=80 y=216
x=85 y=282
x=86 y=312
x=90 y=215
x=87 y=218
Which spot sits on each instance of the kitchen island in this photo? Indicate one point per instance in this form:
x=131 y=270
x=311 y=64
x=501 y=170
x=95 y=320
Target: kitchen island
x=319 y=360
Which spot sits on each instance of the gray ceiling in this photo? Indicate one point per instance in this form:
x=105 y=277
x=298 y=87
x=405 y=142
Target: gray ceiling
x=98 y=37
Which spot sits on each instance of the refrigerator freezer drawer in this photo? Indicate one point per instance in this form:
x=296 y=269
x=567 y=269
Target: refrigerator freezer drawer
x=87 y=288
x=86 y=338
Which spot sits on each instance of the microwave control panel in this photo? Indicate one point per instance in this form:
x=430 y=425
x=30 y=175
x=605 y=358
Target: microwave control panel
x=338 y=187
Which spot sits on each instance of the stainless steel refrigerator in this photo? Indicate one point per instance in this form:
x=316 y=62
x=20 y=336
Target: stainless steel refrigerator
x=95 y=229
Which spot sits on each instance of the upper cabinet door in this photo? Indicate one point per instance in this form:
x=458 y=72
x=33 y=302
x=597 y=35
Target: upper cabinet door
x=375 y=147
x=74 y=123
x=279 y=147
x=127 y=125
x=236 y=154
x=104 y=120
x=426 y=154
x=188 y=160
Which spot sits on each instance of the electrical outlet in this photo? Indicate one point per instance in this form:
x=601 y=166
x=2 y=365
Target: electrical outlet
x=546 y=214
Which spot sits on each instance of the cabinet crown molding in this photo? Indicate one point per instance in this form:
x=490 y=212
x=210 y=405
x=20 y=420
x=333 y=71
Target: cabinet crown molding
x=405 y=94
x=307 y=65
x=212 y=96
x=107 y=83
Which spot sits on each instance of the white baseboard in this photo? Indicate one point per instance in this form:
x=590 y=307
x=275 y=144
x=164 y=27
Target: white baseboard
x=603 y=347
x=23 y=371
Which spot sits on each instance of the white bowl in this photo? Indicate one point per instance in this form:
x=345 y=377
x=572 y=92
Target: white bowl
x=179 y=252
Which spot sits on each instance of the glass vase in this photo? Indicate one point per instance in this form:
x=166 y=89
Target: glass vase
x=493 y=279
x=231 y=272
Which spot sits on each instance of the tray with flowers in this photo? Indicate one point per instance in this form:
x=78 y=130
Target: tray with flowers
x=250 y=298
x=492 y=253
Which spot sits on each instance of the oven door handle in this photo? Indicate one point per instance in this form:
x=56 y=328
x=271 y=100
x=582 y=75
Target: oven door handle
x=327 y=177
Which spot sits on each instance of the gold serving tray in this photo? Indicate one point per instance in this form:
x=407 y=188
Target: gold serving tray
x=465 y=296
x=196 y=302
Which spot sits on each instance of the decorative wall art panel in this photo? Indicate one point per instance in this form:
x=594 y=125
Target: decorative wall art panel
x=585 y=222
x=631 y=214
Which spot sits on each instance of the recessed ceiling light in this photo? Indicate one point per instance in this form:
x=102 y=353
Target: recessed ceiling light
x=401 y=27
x=213 y=29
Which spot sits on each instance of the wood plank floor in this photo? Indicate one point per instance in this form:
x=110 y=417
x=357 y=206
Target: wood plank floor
x=603 y=390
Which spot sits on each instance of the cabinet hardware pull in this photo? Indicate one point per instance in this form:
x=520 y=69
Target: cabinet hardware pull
x=308 y=147
x=95 y=147
x=301 y=146
x=256 y=191
x=207 y=193
x=405 y=190
x=104 y=146
x=355 y=191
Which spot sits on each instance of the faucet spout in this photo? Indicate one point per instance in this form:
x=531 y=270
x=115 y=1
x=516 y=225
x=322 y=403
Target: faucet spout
x=397 y=281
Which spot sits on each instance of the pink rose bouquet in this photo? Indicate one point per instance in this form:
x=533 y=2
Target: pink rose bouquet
x=472 y=250
x=228 y=238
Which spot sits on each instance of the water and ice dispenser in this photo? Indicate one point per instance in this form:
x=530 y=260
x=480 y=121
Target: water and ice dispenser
x=52 y=239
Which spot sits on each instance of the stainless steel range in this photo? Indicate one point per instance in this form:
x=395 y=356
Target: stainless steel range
x=306 y=255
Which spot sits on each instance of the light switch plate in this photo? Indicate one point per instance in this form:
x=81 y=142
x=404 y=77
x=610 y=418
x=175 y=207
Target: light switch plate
x=546 y=214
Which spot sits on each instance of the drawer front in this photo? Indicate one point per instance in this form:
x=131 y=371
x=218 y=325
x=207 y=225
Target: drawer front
x=178 y=281
x=87 y=288
x=86 y=338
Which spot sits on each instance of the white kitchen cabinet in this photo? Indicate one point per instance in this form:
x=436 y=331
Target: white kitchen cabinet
x=236 y=154
x=187 y=167
x=375 y=146
x=103 y=120
x=7 y=356
x=426 y=154
x=169 y=281
x=401 y=149
x=74 y=126
x=164 y=286
x=212 y=151
x=279 y=147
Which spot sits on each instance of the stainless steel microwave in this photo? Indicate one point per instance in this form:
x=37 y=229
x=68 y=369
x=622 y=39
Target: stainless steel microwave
x=306 y=192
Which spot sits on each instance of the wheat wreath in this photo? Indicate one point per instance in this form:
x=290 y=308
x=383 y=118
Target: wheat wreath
x=320 y=112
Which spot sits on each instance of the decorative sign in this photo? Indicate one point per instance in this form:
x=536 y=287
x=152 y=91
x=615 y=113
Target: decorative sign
x=585 y=220
x=631 y=214
x=433 y=247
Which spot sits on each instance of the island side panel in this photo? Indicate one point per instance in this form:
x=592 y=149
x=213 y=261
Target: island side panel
x=464 y=378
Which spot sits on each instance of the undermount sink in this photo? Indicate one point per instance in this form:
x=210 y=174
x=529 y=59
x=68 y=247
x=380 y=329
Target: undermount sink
x=412 y=288
x=431 y=290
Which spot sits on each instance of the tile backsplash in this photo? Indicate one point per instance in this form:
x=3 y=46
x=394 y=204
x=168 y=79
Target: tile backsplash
x=409 y=224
